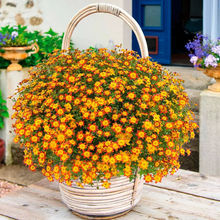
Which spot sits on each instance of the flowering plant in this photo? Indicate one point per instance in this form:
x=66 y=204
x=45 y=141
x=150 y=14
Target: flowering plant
x=203 y=52
x=91 y=115
x=14 y=36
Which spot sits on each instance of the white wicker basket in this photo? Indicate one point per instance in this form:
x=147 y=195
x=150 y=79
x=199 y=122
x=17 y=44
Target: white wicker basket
x=123 y=195
x=102 y=203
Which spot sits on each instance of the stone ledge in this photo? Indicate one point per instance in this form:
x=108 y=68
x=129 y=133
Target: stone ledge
x=193 y=79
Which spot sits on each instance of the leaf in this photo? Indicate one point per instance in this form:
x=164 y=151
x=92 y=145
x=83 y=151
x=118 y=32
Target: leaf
x=3 y=107
x=51 y=32
x=1 y=122
x=5 y=114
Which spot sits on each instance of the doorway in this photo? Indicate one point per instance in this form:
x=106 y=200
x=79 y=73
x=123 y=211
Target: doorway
x=187 y=20
x=168 y=25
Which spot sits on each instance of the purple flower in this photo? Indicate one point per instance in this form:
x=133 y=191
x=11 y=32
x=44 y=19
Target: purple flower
x=211 y=60
x=216 y=49
x=196 y=46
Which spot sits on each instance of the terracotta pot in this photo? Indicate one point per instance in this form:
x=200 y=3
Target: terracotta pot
x=214 y=73
x=16 y=54
x=2 y=150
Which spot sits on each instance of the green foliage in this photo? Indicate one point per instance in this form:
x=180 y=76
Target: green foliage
x=47 y=42
x=3 y=111
x=14 y=36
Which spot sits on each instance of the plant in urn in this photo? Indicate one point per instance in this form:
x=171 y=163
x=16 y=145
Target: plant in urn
x=205 y=56
x=14 y=44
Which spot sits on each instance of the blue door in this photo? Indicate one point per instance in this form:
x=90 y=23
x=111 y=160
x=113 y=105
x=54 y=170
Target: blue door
x=154 y=17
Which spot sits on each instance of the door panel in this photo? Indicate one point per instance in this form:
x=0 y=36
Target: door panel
x=154 y=17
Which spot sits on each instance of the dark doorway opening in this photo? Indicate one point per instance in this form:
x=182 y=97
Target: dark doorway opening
x=187 y=20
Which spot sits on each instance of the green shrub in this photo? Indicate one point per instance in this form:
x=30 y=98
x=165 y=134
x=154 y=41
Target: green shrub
x=3 y=111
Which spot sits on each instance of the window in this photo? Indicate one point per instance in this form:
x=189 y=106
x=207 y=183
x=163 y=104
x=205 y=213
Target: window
x=152 y=15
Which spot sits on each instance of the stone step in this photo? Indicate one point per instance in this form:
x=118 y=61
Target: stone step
x=193 y=79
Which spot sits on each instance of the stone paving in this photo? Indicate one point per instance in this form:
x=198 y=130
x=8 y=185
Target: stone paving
x=19 y=174
x=15 y=177
x=6 y=187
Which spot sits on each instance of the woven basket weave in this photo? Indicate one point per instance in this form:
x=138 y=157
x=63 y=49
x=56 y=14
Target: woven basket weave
x=123 y=195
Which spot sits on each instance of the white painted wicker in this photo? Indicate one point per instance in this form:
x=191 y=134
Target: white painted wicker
x=123 y=195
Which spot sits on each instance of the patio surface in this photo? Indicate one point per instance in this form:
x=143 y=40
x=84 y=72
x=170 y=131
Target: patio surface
x=186 y=196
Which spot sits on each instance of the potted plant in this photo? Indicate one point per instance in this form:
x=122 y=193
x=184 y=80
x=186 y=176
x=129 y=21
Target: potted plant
x=14 y=43
x=100 y=122
x=205 y=56
x=3 y=114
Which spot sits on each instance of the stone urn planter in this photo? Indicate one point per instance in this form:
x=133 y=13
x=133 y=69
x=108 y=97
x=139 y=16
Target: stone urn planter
x=16 y=54
x=214 y=73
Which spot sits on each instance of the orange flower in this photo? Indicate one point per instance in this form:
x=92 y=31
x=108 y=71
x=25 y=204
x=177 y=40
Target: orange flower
x=133 y=75
x=95 y=157
x=61 y=137
x=60 y=111
x=169 y=125
x=34 y=139
x=131 y=95
x=105 y=123
x=141 y=134
x=87 y=154
x=133 y=120
x=148 y=178
x=82 y=146
x=106 y=184
x=80 y=136
x=92 y=127
x=148 y=125
x=89 y=138
x=75 y=169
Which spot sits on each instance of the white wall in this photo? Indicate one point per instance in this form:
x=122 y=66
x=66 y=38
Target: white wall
x=95 y=30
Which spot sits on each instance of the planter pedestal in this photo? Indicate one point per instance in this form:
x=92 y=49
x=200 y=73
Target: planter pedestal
x=209 y=146
x=8 y=83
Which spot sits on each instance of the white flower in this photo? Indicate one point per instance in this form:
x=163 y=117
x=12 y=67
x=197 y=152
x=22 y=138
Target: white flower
x=14 y=34
x=193 y=59
x=211 y=60
x=216 y=49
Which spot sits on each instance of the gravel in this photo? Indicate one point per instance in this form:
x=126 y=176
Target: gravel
x=6 y=187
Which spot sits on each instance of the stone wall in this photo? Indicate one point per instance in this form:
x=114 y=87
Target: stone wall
x=21 y=12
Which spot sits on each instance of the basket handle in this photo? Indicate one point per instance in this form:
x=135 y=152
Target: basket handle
x=111 y=9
